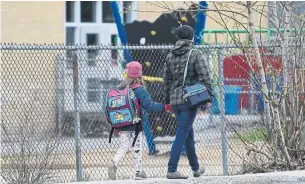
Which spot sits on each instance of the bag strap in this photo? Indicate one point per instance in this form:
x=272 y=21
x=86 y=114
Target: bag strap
x=136 y=86
x=110 y=135
x=185 y=70
x=137 y=131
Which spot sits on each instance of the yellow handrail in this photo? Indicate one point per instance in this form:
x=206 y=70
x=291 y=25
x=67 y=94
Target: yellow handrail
x=152 y=79
x=148 y=78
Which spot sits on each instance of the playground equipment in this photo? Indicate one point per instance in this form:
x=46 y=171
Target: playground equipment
x=234 y=66
x=121 y=30
x=200 y=22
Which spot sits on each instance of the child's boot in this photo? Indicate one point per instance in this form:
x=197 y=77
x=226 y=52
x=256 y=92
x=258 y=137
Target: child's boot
x=141 y=175
x=199 y=172
x=112 y=170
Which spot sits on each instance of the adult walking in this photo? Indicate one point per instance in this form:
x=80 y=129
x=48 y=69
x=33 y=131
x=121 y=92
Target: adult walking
x=197 y=72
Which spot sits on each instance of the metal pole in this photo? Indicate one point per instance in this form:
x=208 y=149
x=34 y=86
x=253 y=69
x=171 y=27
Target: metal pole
x=251 y=96
x=122 y=34
x=209 y=60
x=59 y=92
x=222 y=113
x=200 y=22
x=77 y=119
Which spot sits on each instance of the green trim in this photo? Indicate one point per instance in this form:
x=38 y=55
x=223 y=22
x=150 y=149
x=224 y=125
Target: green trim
x=245 y=31
x=234 y=31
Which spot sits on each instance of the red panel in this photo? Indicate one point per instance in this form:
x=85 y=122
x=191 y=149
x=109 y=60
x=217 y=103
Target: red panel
x=236 y=67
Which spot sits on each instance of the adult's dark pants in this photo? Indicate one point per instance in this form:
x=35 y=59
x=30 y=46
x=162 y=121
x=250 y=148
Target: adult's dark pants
x=184 y=136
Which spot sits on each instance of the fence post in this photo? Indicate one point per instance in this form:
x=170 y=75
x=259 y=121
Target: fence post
x=76 y=118
x=59 y=93
x=251 y=96
x=222 y=112
x=209 y=60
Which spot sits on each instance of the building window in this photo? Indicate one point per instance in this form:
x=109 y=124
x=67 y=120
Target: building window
x=70 y=11
x=70 y=35
x=88 y=11
x=114 y=52
x=92 y=39
x=107 y=16
x=93 y=90
x=69 y=59
x=106 y=85
x=70 y=39
x=82 y=17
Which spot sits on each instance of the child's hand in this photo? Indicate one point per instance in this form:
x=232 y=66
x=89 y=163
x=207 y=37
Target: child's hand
x=208 y=104
x=168 y=108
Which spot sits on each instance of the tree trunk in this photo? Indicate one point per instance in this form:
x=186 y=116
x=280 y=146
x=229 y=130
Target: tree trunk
x=261 y=69
x=282 y=145
x=287 y=82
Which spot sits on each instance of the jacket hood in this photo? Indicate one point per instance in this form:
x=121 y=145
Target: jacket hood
x=182 y=47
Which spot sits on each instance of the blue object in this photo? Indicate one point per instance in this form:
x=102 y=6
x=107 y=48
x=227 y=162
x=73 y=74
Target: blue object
x=184 y=137
x=196 y=94
x=231 y=100
x=148 y=134
x=147 y=104
x=122 y=34
x=200 y=22
x=259 y=97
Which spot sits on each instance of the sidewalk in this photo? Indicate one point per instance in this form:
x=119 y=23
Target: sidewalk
x=288 y=177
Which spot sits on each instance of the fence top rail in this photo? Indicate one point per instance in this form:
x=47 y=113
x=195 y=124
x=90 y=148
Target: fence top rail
x=100 y=47
x=4 y=46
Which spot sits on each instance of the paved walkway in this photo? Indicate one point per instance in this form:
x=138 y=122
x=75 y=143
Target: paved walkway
x=289 y=177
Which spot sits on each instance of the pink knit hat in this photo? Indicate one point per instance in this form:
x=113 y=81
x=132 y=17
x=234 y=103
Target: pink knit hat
x=134 y=69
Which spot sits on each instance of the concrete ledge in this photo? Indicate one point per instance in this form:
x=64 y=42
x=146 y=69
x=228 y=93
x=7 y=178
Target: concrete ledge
x=288 y=177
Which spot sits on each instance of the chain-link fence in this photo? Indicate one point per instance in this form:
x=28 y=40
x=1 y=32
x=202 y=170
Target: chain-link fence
x=53 y=124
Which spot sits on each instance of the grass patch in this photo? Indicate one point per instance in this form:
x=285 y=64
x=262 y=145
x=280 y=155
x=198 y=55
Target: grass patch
x=251 y=136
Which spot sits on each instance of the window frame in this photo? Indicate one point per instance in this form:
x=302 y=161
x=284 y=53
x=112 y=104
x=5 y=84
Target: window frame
x=94 y=87
x=77 y=24
x=94 y=13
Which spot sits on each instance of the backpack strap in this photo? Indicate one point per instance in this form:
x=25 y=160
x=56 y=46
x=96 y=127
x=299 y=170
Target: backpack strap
x=135 y=86
x=136 y=136
x=110 y=135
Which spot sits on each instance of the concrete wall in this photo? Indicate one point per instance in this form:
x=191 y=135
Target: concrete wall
x=29 y=91
x=32 y=22
x=29 y=77
x=215 y=21
x=150 y=12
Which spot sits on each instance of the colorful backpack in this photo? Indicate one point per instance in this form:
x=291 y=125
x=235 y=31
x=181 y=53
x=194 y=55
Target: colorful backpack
x=122 y=109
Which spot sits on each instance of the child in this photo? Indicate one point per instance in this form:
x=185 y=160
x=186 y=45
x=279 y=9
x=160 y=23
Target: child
x=127 y=133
